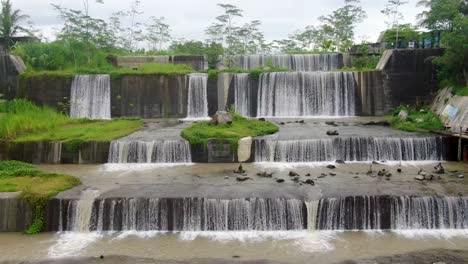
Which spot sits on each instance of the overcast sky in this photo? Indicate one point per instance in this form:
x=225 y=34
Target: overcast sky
x=189 y=18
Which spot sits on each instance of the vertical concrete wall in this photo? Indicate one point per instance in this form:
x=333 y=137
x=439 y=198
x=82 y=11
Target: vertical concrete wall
x=372 y=95
x=10 y=68
x=15 y=214
x=45 y=90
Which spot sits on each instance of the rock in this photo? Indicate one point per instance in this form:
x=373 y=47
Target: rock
x=388 y=175
x=242 y=178
x=302 y=122
x=307 y=175
x=262 y=119
x=221 y=117
x=356 y=177
x=332 y=133
x=428 y=177
x=461 y=176
x=309 y=181
x=422 y=173
x=265 y=174
x=282 y=123
x=293 y=174
x=279 y=180
x=399 y=170
x=331 y=123
x=226 y=177
x=382 y=172
x=240 y=169
x=419 y=178
x=244 y=148
x=295 y=179
x=403 y=115
x=340 y=162
x=331 y=166
x=323 y=175
x=370 y=171
x=439 y=169
x=375 y=162
x=332 y=174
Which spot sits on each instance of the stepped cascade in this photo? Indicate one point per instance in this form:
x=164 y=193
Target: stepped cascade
x=90 y=97
x=197 y=106
x=350 y=149
x=203 y=214
x=294 y=94
x=296 y=62
x=158 y=151
x=242 y=94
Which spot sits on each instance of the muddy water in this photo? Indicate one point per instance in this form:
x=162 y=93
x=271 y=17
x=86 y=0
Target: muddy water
x=283 y=247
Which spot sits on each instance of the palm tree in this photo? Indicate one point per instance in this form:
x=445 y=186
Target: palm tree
x=10 y=20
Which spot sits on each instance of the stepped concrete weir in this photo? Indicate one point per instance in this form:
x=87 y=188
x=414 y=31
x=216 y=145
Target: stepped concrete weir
x=296 y=62
x=90 y=97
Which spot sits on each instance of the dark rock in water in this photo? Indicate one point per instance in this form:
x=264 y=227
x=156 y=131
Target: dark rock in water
x=461 y=176
x=309 y=181
x=226 y=177
x=323 y=175
x=378 y=123
x=340 y=162
x=295 y=179
x=221 y=117
x=302 y=122
x=332 y=174
x=419 y=178
x=240 y=169
x=235 y=256
x=293 y=174
x=370 y=171
x=262 y=119
x=356 y=177
x=282 y=123
x=331 y=123
x=375 y=162
x=332 y=133
x=428 y=177
x=330 y=166
x=101 y=257
x=307 y=175
x=439 y=169
x=388 y=175
x=399 y=170
x=279 y=180
x=382 y=172
x=242 y=178
x=265 y=174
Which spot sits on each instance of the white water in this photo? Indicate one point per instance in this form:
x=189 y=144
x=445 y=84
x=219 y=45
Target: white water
x=197 y=106
x=82 y=211
x=242 y=94
x=296 y=62
x=90 y=97
x=284 y=94
x=160 y=151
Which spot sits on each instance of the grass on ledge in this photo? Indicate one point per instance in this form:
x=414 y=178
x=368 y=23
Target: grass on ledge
x=460 y=91
x=23 y=121
x=36 y=187
x=200 y=133
x=418 y=120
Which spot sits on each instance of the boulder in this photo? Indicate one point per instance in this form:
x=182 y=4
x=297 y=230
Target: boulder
x=461 y=176
x=439 y=169
x=332 y=133
x=399 y=170
x=240 y=169
x=244 y=149
x=309 y=181
x=265 y=174
x=242 y=178
x=279 y=180
x=403 y=115
x=331 y=166
x=293 y=174
x=295 y=179
x=419 y=178
x=323 y=175
x=332 y=174
x=221 y=117
x=340 y=162
x=428 y=177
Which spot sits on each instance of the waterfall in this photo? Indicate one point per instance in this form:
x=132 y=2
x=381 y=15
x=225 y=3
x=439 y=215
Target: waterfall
x=396 y=213
x=293 y=94
x=90 y=97
x=197 y=106
x=81 y=211
x=296 y=62
x=262 y=214
x=242 y=94
x=350 y=149
x=160 y=151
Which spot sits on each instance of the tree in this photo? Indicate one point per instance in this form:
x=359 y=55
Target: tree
x=158 y=32
x=10 y=20
x=341 y=23
x=405 y=32
x=392 y=12
x=190 y=47
x=441 y=13
x=214 y=52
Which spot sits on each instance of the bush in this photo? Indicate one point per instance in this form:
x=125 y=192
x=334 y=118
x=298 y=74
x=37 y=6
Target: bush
x=418 y=119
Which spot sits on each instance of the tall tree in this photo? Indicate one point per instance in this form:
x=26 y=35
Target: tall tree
x=10 y=23
x=157 y=32
x=128 y=34
x=394 y=15
x=343 y=21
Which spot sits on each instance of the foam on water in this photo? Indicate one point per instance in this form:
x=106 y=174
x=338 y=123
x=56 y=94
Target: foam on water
x=70 y=244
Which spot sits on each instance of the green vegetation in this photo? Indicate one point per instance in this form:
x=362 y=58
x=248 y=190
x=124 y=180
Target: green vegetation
x=36 y=187
x=460 y=91
x=418 y=119
x=200 y=133
x=255 y=73
x=22 y=121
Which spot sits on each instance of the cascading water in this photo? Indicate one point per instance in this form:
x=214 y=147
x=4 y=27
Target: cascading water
x=242 y=94
x=350 y=149
x=293 y=94
x=90 y=97
x=197 y=106
x=296 y=62
x=261 y=214
x=160 y=151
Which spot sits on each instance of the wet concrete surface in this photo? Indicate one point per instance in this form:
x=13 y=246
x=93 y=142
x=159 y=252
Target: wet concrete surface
x=219 y=180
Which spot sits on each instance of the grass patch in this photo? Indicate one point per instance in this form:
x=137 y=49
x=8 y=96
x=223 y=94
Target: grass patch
x=418 y=120
x=23 y=121
x=36 y=187
x=200 y=133
x=460 y=91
